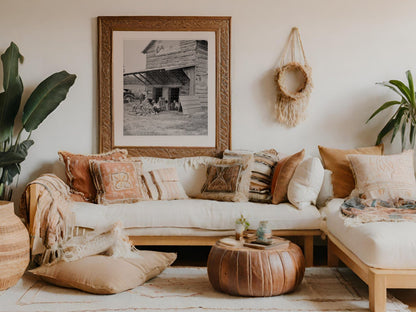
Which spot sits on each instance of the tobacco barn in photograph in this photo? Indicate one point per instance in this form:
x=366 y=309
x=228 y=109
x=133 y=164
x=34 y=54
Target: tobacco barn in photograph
x=176 y=71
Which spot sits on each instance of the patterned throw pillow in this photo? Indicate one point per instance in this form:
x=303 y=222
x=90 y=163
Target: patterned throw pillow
x=164 y=184
x=384 y=177
x=261 y=173
x=118 y=181
x=283 y=174
x=228 y=179
x=336 y=161
x=77 y=169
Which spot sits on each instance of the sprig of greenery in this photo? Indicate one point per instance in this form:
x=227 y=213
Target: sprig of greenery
x=242 y=220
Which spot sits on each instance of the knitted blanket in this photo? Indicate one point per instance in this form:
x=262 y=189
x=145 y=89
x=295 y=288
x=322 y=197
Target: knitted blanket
x=359 y=210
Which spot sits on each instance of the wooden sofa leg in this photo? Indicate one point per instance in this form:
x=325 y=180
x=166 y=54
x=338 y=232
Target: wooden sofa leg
x=308 y=250
x=377 y=292
x=333 y=260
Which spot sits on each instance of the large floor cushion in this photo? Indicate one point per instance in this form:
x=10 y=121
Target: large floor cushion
x=195 y=214
x=384 y=245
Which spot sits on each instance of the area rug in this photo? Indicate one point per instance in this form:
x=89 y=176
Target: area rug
x=188 y=289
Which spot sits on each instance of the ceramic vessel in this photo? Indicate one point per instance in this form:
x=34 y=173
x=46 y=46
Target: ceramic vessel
x=14 y=246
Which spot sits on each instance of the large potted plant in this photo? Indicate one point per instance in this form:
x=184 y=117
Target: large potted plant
x=404 y=117
x=41 y=102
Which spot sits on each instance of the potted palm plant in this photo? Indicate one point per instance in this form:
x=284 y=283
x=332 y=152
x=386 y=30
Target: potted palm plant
x=404 y=117
x=15 y=137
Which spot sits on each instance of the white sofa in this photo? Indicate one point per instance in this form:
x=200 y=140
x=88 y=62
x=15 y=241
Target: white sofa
x=194 y=221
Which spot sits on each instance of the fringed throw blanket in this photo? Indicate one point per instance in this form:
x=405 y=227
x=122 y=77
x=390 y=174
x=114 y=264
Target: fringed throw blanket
x=50 y=221
x=51 y=227
x=359 y=210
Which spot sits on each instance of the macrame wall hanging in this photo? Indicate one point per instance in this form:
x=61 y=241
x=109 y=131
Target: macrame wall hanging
x=293 y=82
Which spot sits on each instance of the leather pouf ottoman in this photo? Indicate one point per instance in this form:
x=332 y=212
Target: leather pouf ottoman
x=245 y=271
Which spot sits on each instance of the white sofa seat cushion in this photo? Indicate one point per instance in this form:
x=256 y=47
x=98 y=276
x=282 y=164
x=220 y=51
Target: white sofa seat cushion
x=195 y=213
x=384 y=245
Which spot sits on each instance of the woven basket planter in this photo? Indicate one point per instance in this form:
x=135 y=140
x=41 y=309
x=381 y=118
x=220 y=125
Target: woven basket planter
x=14 y=246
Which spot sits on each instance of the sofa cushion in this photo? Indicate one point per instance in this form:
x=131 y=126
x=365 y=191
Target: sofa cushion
x=282 y=175
x=261 y=172
x=118 y=181
x=336 y=161
x=228 y=179
x=385 y=245
x=106 y=275
x=191 y=170
x=384 y=177
x=167 y=184
x=195 y=213
x=77 y=169
x=306 y=183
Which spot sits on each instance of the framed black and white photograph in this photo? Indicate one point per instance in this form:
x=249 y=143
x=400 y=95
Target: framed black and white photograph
x=164 y=85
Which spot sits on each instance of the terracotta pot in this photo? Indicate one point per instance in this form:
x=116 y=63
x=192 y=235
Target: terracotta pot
x=14 y=246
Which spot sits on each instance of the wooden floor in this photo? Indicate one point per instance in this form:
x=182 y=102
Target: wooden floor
x=198 y=255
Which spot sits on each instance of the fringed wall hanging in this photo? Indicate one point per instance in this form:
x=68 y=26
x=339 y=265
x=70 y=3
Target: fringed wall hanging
x=293 y=82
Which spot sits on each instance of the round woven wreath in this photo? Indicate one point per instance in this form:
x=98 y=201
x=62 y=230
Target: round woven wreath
x=305 y=83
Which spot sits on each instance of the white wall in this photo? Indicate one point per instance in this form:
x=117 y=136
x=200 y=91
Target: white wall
x=350 y=45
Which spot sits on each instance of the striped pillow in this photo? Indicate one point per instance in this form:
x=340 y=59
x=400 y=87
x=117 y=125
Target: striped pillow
x=164 y=184
x=261 y=173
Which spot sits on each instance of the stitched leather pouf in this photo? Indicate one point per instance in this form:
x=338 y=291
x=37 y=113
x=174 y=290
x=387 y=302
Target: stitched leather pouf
x=245 y=271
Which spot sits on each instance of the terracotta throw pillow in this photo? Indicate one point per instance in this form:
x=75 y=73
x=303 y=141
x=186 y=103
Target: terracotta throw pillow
x=336 y=161
x=118 y=181
x=228 y=179
x=106 y=275
x=77 y=169
x=283 y=172
x=384 y=177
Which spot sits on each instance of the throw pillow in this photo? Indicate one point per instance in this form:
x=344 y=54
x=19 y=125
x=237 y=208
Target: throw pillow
x=327 y=192
x=384 y=177
x=118 y=181
x=336 y=161
x=261 y=173
x=228 y=179
x=106 y=275
x=164 y=184
x=306 y=183
x=283 y=172
x=77 y=169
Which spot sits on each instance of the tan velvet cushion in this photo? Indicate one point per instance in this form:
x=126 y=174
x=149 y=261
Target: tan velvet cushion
x=384 y=177
x=106 y=275
x=228 y=179
x=77 y=169
x=336 y=161
x=283 y=172
x=118 y=181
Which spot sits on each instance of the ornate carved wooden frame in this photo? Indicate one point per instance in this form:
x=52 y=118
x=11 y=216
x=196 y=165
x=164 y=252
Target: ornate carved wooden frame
x=218 y=24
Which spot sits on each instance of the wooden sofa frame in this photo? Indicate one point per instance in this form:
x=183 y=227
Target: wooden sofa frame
x=378 y=280
x=306 y=236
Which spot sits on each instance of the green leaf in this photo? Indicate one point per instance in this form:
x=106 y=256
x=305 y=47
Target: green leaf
x=13 y=89
x=403 y=133
x=387 y=128
x=45 y=98
x=398 y=121
x=388 y=85
x=403 y=89
x=16 y=154
x=9 y=172
x=411 y=87
x=10 y=60
x=383 y=107
x=412 y=135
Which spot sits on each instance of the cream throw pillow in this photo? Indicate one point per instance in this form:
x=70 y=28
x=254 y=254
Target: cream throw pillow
x=306 y=183
x=106 y=275
x=384 y=177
